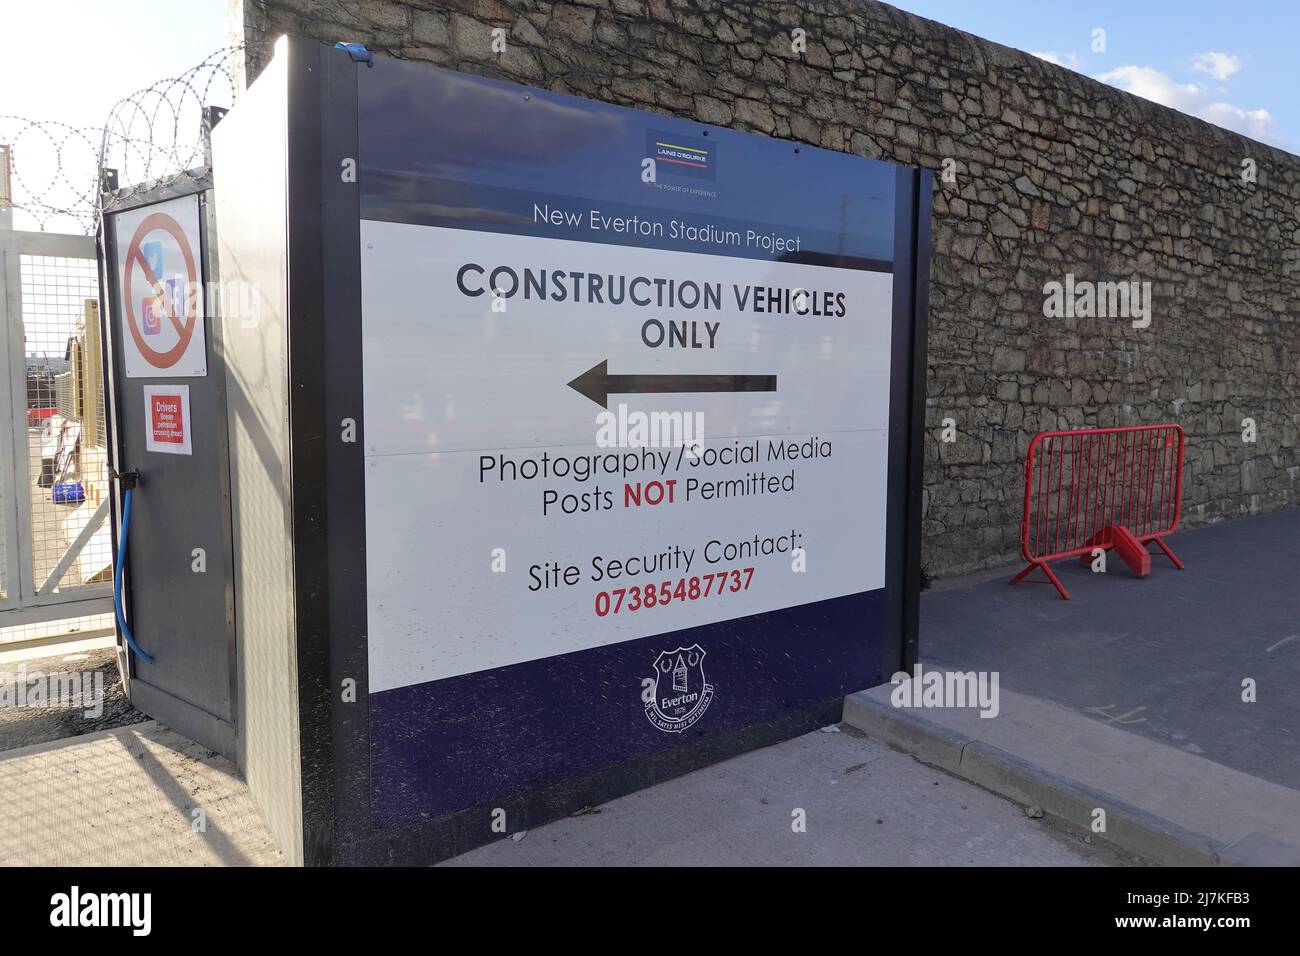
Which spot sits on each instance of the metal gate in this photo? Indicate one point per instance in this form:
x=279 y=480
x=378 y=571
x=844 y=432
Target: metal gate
x=55 y=525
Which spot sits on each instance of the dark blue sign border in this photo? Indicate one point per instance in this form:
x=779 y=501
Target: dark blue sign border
x=341 y=776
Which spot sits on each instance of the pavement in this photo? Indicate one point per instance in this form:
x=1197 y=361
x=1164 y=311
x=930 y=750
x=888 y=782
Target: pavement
x=862 y=803
x=128 y=797
x=134 y=796
x=1169 y=806
x=1133 y=697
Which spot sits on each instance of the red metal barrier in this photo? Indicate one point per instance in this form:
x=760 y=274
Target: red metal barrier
x=1117 y=488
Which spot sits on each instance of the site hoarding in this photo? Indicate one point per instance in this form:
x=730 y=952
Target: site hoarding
x=577 y=446
x=549 y=591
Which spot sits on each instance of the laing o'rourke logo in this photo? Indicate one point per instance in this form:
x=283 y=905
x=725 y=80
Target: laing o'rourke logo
x=690 y=157
x=75 y=908
x=678 y=695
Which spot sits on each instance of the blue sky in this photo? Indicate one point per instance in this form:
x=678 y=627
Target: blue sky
x=93 y=53
x=79 y=57
x=1234 y=64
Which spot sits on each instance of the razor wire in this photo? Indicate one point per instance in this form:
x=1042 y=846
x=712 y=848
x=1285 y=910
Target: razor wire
x=154 y=137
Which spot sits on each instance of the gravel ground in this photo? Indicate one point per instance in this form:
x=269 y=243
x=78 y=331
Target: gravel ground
x=41 y=720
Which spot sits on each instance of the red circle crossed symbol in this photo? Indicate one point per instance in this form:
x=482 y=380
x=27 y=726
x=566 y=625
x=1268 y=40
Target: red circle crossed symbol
x=134 y=257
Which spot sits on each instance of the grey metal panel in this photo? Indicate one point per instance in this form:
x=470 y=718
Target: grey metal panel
x=249 y=150
x=180 y=715
x=179 y=615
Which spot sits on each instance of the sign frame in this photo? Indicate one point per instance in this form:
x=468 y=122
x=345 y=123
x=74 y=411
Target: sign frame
x=326 y=515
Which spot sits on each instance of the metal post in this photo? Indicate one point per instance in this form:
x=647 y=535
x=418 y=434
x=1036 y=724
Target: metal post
x=6 y=188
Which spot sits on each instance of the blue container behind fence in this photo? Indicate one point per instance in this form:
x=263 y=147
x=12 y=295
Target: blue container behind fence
x=68 y=494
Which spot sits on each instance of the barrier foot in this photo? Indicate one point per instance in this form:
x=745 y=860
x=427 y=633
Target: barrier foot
x=1056 y=582
x=1126 y=545
x=1137 y=557
x=1169 y=554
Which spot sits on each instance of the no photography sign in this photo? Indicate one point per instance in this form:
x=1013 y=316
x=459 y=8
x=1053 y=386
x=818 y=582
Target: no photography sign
x=160 y=285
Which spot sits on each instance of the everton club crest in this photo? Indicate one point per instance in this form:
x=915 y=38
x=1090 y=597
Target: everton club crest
x=681 y=695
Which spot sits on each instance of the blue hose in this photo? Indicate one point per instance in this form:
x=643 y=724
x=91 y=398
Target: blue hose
x=117 y=579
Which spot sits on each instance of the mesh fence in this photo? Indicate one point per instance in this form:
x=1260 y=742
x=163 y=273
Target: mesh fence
x=50 y=175
x=67 y=460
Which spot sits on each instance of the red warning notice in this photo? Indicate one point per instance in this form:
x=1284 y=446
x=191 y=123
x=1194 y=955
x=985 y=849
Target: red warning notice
x=165 y=413
x=167 y=419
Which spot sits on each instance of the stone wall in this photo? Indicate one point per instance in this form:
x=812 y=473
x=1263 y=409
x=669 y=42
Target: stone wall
x=1054 y=174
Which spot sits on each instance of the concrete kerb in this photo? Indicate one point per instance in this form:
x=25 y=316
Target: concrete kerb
x=1128 y=827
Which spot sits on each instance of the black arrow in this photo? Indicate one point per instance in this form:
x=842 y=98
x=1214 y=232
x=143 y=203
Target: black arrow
x=596 y=383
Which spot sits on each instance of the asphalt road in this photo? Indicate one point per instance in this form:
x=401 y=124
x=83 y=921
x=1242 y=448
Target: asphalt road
x=1163 y=656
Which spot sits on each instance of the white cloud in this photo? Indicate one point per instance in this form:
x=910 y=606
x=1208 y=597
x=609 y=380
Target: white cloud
x=1069 y=61
x=1257 y=124
x=1218 y=65
x=1151 y=84
x=1193 y=99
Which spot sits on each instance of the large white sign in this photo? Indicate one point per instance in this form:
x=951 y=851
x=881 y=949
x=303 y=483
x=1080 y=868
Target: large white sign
x=510 y=516
x=160 y=290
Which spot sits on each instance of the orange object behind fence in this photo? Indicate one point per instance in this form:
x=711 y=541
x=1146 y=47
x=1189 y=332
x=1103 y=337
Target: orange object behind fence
x=1106 y=488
